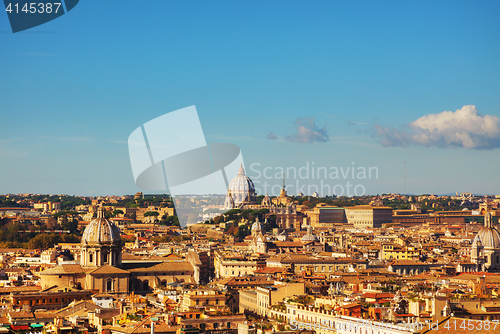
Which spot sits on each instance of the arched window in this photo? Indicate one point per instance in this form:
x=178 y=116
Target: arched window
x=109 y=285
x=91 y=257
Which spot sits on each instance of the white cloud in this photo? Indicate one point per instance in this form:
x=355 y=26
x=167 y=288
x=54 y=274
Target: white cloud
x=462 y=128
x=308 y=132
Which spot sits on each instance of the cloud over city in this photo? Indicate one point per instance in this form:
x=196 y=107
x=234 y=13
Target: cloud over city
x=465 y=128
x=308 y=132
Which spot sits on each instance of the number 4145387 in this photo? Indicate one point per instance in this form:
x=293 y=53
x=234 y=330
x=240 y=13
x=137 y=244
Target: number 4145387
x=35 y=8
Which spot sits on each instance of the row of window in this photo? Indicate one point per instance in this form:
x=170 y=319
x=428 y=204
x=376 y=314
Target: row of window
x=41 y=301
x=330 y=268
x=207 y=302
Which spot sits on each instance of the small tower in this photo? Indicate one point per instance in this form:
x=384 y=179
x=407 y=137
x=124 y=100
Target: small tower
x=229 y=202
x=137 y=244
x=309 y=235
x=447 y=309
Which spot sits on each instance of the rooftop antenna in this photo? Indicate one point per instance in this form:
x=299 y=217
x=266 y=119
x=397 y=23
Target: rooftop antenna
x=283 y=181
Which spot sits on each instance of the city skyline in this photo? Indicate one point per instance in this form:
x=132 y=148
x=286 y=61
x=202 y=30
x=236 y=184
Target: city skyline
x=339 y=85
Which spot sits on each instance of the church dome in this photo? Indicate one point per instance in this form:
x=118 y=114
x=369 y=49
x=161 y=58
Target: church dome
x=257 y=226
x=489 y=237
x=266 y=201
x=241 y=188
x=309 y=236
x=101 y=230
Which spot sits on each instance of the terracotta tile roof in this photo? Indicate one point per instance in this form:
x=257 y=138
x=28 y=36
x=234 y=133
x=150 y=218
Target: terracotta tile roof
x=407 y=263
x=108 y=270
x=41 y=315
x=166 y=267
x=288 y=244
x=240 y=244
x=65 y=269
x=269 y=270
x=19 y=289
x=159 y=328
x=350 y=305
x=74 y=307
x=378 y=295
x=243 y=281
x=19 y=315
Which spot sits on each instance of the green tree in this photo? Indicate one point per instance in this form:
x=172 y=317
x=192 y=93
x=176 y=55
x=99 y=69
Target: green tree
x=151 y=213
x=117 y=212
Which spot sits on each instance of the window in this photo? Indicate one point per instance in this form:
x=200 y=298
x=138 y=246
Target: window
x=91 y=258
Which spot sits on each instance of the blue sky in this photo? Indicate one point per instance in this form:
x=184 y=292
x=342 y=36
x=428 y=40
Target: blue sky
x=73 y=90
